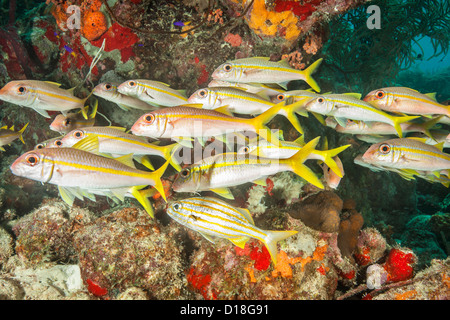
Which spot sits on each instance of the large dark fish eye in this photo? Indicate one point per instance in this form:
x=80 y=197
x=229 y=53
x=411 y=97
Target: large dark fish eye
x=185 y=173
x=385 y=148
x=108 y=86
x=203 y=93
x=227 y=67
x=78 y=134
x=40 y=146
x=320 y=100
x=131 y=83
x=58 y=143
x=280 y=97
x=176 y=206
x=245 y=149
x=67 y=122
x=149 y=118
x=380 y=94
x=32 y=160
x=21 y=90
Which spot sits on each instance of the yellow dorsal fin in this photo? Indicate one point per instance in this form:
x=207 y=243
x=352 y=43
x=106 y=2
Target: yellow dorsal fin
x=54 y=83
x=440 y=145
x=353 y=94
x=12 y=128
x=88 y=144
x=126 y=160
x=284 y=63
x=431 y=95
x=4 y=127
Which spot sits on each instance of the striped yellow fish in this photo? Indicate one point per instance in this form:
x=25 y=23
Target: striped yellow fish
x=349 y=106
x=240 y=101
x=50 y=143
x=217 y=173
x=81 y=172
x=406 y=100
x=153 y=92
x=115 y=141
x=257 y=88
x=287 y=149
x=262 y=70
x=9 y=135
x=65 y=123
x=215 y=218
x=109 y=91
x=188 y=121
x=408 y=153
x=42 y=96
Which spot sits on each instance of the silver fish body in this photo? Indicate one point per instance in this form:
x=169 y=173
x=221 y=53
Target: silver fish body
x=110 y=92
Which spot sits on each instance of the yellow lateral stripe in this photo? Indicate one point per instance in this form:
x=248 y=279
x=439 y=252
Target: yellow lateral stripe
x=173 y=94
x=412 y=97
x=236 y=163
x=243 y=220
x=271 y=68
x=231 y=95
x=99 y=169
x=365 y=107
x=423 y=152
x=127 y=140
x=54 y=95
x=222 y=226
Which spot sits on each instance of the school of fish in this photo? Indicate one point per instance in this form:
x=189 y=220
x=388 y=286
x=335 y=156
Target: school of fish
x=229 y=120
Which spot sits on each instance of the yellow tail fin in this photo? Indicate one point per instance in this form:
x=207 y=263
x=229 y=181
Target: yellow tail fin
x=156 y=177
x=271 y=240
x=328 y=156
x=398 y=120
x=308 y=72
x=259 y=123
x=297 y=166
x=142 y=196
x=21 y=132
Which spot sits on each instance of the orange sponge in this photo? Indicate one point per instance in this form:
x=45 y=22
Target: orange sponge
x=94 y=25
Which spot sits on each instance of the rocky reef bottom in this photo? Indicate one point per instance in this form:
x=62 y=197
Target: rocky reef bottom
x=61 y=253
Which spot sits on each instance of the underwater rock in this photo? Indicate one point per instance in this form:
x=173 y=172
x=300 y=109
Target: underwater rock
x=370 y=248
x=46 y=234
x=432 y=283
x=319 y=211
x=6 y=246
x=349 y=229
x=129 y=249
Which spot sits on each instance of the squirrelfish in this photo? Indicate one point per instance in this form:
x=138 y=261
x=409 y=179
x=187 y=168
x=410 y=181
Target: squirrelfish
x=41 y=96
x=115 y=141
x=406 y=100
x=214 y=218
x=349 y=106
x=109 y=91
x=262 y=70
x=153 y=92
x=80 y=171
x=65 y=123
x=218 y=172
x=408 y=153
x=188 y=121
x=9 y=135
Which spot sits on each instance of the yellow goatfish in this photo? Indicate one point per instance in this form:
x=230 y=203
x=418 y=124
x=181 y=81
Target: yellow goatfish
x=212 y=218
x=262 y=70
x=408 y=153
x=115 y=141
x=66 y=123
x=153 y=92
x=349 y=106
x=9 y=135
x=42 y=96
x=188 y=121
x=109 y=91
x=217 y=173
x=406 y=100
x=81 y=172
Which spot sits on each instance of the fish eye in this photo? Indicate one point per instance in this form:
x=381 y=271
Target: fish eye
x=380 y=94
x=227 y=67
x=58 y=143
x=320 y=100
x=78 y=134
x=32 y=159
x=67 y=122
x=245 y=149
x=203 y=93
x=149 y=118
x=176 y=206
x=21 y=90
x=40 y=146
x=385 y=148
x=108 y=86
x=280 y=97
x=131 y=83
x=185 y=173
